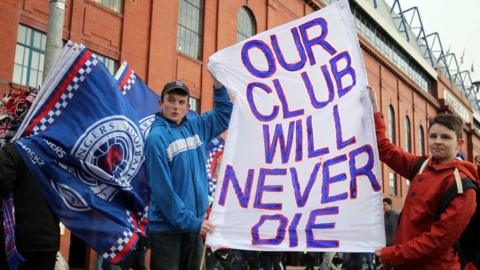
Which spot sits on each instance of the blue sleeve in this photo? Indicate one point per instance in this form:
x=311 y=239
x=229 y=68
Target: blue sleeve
x=163 y=195
x=215 y=122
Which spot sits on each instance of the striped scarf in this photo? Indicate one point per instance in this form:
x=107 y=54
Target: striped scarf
x=13 y=257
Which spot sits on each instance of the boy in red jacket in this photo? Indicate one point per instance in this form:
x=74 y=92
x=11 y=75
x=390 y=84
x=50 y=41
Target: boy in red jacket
x=425 y=237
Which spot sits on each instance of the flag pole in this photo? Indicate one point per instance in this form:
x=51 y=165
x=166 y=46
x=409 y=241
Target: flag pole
x=202 y=262
x=54 y=44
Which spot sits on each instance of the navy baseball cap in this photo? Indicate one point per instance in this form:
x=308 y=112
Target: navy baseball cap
x=177 y=86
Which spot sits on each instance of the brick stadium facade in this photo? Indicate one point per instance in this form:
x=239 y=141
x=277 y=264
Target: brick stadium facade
x=144 y=32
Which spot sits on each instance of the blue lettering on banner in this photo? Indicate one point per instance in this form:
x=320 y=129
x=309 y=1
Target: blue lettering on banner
x=281 y=95
x=292 y=230
x=339 y=74
x=328 y=180
x=320 y=40
x=261 y=188
x=301 y=52
x=338 y=131
x=301 y=199
x=278 y=140
x=325 y=85
x=366 y=170
x=303 y=42
x=279 y=235
x=267 y=52
x=230 y=180
x=230 y=177
x=311 y=225
x=253 y=107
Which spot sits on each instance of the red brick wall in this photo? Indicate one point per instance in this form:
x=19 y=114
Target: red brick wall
x=135 y=36
x=145 y=35
x=65 y=244
x=10 y=12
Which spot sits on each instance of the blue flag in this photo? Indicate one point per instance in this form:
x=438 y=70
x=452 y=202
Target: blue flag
x=83 y=142
x=143 y=100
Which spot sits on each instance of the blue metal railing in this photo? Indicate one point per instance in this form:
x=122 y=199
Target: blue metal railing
x=433 y=50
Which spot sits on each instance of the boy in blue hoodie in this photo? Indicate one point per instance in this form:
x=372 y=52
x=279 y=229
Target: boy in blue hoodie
x=175 y=162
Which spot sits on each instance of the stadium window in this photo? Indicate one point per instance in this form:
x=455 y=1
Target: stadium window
x=115 y=5
x=109 y=63
x=357 y=23
x=408 y=135
x=410 y=71
x=363 y=25
x=392 y=180
x=29 y=57
x=194 y=104
x=391 y=123
x=389 y=50
x=246 y=26
x=370 y=29
x=190 y=24
x=395 y=56
x=421 y=140
x=369 y=32
x=378 y=39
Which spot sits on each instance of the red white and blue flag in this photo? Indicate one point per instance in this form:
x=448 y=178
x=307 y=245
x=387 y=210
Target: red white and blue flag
x=142 y=99
x=214 y=150
x=83 y=140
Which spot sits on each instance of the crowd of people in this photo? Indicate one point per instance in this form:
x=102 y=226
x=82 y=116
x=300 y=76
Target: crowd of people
x=175 y=163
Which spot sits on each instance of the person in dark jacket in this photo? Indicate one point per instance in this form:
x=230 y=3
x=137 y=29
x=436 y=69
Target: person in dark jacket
x=424 y=239
x=391 y=221
x=37 y=231
x=175 y=161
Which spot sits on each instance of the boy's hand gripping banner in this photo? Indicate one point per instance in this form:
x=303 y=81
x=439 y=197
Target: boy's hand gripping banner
x=300 y=168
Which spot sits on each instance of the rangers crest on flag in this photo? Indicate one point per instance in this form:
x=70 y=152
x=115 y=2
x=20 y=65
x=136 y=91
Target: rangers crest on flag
x=83 y=141
x=114 y=147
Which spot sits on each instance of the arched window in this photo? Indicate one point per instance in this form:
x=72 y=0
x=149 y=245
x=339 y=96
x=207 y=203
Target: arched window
x=392 y=176
x=190 y=25
x=194 y=104
x=115 y=5
x=392 y=183
x=246 y=26
x=109 y=63
x=29 y=57
x=408 y=135
x=421 y=140
x=391 y=124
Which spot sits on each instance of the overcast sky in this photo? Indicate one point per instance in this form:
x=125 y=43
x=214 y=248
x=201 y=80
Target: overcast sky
x=458 y=24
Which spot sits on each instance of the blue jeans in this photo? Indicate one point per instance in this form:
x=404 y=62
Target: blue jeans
x=175 y=251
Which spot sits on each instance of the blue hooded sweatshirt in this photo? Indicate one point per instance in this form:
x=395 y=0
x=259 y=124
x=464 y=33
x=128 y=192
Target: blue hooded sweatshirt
x=175 y=161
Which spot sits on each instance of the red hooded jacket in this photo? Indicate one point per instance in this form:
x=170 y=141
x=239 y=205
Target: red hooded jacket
x=424 y=240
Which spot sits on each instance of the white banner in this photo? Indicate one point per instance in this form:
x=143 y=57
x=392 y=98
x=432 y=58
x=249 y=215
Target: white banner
x=300 y=168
